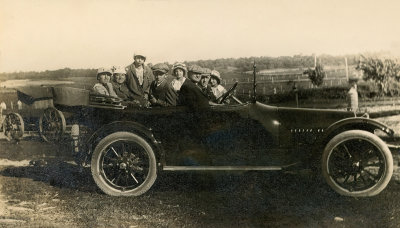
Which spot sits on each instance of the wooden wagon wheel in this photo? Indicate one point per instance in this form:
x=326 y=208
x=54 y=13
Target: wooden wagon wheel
x=13 y=126
x=52 y=125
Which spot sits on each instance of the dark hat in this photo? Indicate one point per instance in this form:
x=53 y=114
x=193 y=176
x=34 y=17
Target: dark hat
x=162 y=67
x=206 y=72
x=195 y=69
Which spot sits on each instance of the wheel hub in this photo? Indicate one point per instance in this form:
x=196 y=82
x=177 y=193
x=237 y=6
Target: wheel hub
x=122 y=165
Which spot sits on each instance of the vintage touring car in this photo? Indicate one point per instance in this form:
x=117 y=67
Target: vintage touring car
x=126 y=146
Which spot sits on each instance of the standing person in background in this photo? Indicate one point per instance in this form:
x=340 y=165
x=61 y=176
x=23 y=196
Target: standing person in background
x=161 y=91
x=3 y=106
x=352 y=95
x=139 y=78
x=19 y=105
x=104 y=86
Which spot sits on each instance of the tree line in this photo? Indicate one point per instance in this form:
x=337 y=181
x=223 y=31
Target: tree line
x=265 y=62
x=223 y=65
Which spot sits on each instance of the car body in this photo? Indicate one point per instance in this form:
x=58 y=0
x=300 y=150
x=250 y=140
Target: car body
x=127 y=146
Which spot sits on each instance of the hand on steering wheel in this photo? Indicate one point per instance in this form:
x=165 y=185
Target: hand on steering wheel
x=227 y=94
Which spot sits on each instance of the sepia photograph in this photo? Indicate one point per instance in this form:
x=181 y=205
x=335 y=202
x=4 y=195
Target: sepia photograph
x=199 y=113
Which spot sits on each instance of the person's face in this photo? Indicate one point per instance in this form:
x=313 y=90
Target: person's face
x=108 y=78
x=194 y=77
x=159 y=75
x=104 y=77
x=139 y=60
x=204 y=81
x=119 y=78
x=178 y=73
x=213 y=82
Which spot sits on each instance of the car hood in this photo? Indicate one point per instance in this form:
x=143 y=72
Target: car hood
x=311 y=118
x=292 y=118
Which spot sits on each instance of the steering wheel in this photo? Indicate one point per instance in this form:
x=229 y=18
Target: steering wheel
x=227 y=94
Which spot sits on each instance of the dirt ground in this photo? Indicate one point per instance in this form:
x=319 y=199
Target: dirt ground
x=42 y=187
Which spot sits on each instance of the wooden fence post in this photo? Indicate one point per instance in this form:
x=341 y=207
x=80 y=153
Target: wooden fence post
x=347 y=69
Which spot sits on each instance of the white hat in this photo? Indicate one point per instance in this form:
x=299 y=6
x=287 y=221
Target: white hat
x=139 y=53
x=104 y=70
x=119 y=70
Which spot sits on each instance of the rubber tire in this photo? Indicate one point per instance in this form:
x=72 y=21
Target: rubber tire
x=365 y=135
x=95 y=164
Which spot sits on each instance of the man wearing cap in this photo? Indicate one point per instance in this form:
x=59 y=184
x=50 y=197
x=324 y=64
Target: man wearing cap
x=139 y=77
x=194 y=74
x=161 y=92
x=190 y=94
x=205 y=78
x=104 y=86
x=119 y=84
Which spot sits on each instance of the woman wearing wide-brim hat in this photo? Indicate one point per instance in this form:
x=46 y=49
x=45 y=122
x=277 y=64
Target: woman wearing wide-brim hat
x=179 y=71
x=216 y=90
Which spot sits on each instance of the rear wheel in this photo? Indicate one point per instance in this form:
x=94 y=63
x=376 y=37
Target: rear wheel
x=123 y=164
x=357 y=163
x=52 y=125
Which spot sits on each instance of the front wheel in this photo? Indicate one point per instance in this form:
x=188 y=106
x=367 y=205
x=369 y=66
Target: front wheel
x=124 y=164
x=357 y=163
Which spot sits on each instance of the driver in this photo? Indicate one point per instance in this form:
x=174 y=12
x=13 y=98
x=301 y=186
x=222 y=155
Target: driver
x=216 y=90
x=104 y=86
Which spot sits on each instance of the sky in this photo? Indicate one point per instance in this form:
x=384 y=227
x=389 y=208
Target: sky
x=38 y=35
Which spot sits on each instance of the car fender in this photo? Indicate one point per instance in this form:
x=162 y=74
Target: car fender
x=128 y=126
x=354 y=123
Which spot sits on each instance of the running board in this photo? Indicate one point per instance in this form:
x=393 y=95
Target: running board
x=222 y=168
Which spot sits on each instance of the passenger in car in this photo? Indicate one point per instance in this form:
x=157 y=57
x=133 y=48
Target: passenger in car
x=205 y=78
x=161 y=92
x=216 y=90
x=194 y=74
x=179 y=71
x=139 y=77
x=104 y=87
x=191 y=95
x=119 y=84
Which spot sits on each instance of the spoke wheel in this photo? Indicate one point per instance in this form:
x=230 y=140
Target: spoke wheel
x=52 y=125
x=123 y=164
x=357 y=163
x=13 y=126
